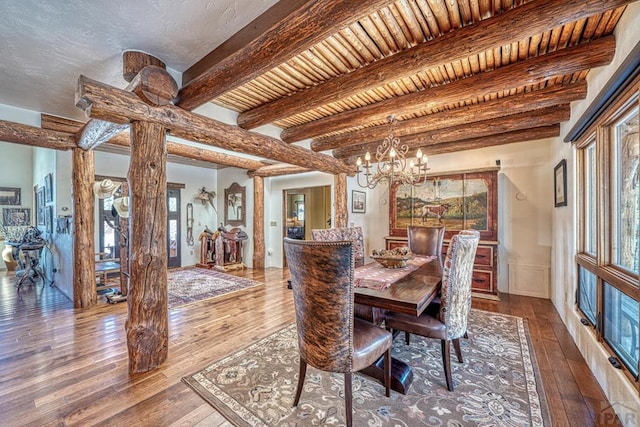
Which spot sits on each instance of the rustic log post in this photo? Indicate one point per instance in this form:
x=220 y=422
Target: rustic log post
x=124 y=246
x=84 y=266
x=258 y=222
x=147 y=324
x=340 y=200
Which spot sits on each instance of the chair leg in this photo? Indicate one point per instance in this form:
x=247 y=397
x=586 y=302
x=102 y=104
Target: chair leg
x=301 y=375
x=456 y=346
x=466 y=335
x=348 y=399
x=387 y=372
x=446 y=361
x=407 y=337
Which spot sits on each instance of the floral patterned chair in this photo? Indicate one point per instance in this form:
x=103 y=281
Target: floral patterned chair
x=450 y=323
x=355 y=235
x=330 y=338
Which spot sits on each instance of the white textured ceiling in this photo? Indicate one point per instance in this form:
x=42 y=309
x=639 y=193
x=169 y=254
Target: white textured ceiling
x=46 y=44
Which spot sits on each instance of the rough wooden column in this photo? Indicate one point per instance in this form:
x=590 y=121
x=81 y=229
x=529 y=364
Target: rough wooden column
x=84 y=266
x=124 y=245
x=340 y=200
x=258 y=222
x=147 y=323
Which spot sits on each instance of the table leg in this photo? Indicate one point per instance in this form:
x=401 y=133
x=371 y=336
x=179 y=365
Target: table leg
x=401 y=374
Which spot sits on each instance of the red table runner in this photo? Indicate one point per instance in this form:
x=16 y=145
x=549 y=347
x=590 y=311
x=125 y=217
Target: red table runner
x=375 y=276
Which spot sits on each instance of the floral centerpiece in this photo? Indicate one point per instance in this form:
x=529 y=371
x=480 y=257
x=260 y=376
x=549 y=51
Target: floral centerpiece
x=392 y=258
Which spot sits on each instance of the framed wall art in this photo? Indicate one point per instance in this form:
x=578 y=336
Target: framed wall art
x=9 y=196
x=560 y=183
x=40 y=206
x=16 y=216
x=49 y=219
x=358 y=201
x=48 y=188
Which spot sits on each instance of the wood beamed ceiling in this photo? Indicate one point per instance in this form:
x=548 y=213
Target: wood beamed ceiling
x=453 y=73
x=456 y=74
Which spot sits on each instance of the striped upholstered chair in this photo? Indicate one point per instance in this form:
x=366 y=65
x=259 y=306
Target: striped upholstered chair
x=449 y=324
x=330 y=338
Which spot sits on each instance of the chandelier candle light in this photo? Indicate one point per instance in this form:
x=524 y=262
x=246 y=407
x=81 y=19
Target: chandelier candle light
x=391 y=164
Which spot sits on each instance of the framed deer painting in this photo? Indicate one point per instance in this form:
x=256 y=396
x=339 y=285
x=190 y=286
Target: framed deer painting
x=458 y=200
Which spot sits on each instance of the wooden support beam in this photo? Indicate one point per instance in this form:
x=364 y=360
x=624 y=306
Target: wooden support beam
x=530 y=134
x=133 y=61
x=147 y=323
x=340 y=208
x=105 y=102
x=174 y=148
x=154 y=85
x=285 y=30
x=278 y=169
x=84 y=266
x=520 y=103
x=29 y=135
x=565 y=61
x=542 y=117
x=518 y=23
x=258 y=222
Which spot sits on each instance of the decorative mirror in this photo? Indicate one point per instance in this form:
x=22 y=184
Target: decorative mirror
x=234 y=197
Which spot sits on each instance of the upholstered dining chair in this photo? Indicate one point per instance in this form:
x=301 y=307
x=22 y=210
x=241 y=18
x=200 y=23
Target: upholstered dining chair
x=449 y=324
x=330 y=338
x=355 y=235
x=425 y=240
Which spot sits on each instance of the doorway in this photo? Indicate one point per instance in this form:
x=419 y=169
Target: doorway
x=173 y=227
x=305 y=209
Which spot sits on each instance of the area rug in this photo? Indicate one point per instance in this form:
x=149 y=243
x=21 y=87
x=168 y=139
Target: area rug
x=189 y=285
x=497 y=385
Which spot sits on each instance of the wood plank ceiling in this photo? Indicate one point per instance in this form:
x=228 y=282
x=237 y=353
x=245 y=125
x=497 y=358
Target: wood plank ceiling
x=457 y=74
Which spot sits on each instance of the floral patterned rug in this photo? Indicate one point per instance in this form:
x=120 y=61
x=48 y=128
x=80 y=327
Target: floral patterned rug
x=497 y=385
x=189 y=285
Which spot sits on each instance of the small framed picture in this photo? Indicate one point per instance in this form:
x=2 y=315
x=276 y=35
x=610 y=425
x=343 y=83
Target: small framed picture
x=16 y=216
x=560 y=183
x=40 y=206
x=49 y=219
x=358 y=201
x=9 y=196
x=48 y=188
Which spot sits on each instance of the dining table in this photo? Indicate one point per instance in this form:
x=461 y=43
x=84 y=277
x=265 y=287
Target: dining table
x=409 y=291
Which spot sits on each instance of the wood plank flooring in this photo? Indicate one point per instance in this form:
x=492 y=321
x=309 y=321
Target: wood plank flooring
x=60 y=366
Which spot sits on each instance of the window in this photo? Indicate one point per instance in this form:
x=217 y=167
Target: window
x=609 y=229
x=621 y=326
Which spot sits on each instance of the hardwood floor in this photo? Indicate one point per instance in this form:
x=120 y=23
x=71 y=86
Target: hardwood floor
x=60 y=366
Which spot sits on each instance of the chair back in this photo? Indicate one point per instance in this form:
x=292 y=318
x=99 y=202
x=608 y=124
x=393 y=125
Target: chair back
x=322 y=283
x=353 y=234
x=455 y=302
x=425 y=240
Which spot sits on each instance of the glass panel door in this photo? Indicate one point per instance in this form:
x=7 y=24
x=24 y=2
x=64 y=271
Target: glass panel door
x=173 y=227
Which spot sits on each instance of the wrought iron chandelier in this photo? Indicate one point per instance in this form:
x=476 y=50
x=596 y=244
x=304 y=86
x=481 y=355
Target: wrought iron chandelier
x=392 y=164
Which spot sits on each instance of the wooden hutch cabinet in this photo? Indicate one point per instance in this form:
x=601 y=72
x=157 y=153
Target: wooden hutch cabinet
x=458 y=200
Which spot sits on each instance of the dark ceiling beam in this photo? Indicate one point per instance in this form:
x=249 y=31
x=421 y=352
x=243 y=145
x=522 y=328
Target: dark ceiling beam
x=519 y=23
x=285 y=30
x=36 y=137
x=532 y=71
x=542 y=117
x=519 y=103
x=104 y=102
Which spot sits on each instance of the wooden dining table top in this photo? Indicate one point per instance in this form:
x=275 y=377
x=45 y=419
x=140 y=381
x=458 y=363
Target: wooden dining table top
x=411 y=294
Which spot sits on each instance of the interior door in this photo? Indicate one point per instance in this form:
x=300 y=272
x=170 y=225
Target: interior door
x=173 y=228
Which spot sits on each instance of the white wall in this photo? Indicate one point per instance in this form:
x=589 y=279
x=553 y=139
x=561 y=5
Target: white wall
x=563 y=269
